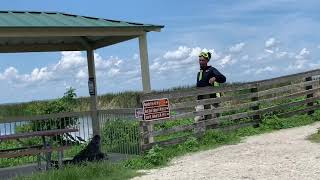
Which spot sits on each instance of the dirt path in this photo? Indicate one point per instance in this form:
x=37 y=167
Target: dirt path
x=284 y=154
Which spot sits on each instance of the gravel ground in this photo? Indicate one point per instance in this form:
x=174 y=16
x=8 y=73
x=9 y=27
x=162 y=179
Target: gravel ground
x=284 y=154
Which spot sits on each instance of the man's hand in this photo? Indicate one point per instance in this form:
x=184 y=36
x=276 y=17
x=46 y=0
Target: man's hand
x=212 y=80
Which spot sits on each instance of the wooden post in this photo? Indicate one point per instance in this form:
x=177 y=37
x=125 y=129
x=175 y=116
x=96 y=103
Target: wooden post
x=144 y=63
x=309 y=95
x=256 y=118
x=145 y=129
x=93 y=92
x=145 y=72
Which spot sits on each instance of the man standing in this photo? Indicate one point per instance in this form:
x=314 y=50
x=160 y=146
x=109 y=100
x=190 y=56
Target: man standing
x=207 y=76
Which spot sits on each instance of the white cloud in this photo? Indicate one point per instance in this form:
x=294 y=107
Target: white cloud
x=265 y=69
x=263 y=56
x=271 y=42
x=226 y=60
x=72 y=66
x=9 y=74
x=40 y=75
x=269 y=51
x=304 y=53
x=135 y=56
x=281 y=54
x=71 y=69
x=180 y=60
x=70 y=60
x=82 y=74
x=297 y=65
x=301 y=60
x=113 y=72
x=319 y=46
x=237 y=48
x=181 y=53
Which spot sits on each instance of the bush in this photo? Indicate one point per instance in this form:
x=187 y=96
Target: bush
x=121 y=136
x=155 y=156
x=191 y=144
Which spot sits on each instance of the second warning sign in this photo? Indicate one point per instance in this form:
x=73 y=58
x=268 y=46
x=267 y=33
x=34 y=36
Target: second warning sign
x=156 y=109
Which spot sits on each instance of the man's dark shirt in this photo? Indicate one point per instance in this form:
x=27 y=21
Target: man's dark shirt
x=208 y=73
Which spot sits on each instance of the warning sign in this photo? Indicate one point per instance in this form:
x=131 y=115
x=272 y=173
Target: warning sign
x=156 y=109
x=139 y=113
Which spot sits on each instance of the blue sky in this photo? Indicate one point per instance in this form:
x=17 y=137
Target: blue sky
x=250 y=40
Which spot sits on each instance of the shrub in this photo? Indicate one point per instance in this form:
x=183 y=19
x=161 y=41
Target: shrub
x=154 y=156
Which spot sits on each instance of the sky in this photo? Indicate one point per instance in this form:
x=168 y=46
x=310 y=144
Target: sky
x=250 y=40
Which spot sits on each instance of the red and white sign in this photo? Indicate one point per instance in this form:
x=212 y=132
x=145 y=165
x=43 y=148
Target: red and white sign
x=139 y=113
x=156 y=109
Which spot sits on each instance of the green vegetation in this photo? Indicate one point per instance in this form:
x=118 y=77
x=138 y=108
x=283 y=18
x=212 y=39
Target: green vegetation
x=315 y=137
x=63 y=104
x=160 y=156
x=98 y=170
x=121 y=136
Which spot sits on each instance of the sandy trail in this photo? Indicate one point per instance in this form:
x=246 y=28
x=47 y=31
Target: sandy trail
x=284 y=154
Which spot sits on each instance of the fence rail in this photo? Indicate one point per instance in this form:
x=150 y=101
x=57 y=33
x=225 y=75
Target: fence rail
x=119 y=128
x=241 y=105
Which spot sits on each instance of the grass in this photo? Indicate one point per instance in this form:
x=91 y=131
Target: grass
x=97 y=171
x=315 y=137
x=158 y=156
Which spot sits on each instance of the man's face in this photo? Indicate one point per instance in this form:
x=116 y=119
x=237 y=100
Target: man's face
x=203 y=61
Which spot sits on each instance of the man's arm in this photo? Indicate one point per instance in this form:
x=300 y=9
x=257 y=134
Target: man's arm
x=220 y=78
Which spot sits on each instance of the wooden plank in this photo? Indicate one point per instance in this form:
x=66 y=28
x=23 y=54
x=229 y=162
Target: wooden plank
x=288 y=78
x=269 y=109
x=251 y=104
x=257 y=112
x=44 y=117
x=33 y=151
x=255 y=100
x=238 y=115
x=287 y=88
x=37 y=133
x=210 y=90
x=189 y=104
x=169 y=131
x=238 y=126
x=21 y=148
x=308 y=79
x=300 y=111
x=194 y=92
x=165 y=143
x=246 y=105
x=130 y=111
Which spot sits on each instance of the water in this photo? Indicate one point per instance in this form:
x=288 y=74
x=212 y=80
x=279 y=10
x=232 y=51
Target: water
x=84 y=125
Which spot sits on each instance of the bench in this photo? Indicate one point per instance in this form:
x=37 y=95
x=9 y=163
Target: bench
x=45 y=148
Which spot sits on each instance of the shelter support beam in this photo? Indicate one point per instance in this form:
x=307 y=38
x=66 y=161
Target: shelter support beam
x=93 y=92
x=144 y=63
x=145 y=73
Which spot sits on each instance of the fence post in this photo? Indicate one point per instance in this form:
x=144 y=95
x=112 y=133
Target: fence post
x=145 y=127
x=143 y=130
x=257 y=117
x=309 y=95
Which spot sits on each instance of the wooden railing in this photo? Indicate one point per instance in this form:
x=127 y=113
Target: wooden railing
x=241 y=105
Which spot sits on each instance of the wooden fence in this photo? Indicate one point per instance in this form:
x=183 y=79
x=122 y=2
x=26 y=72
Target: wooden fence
x=241 y=105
